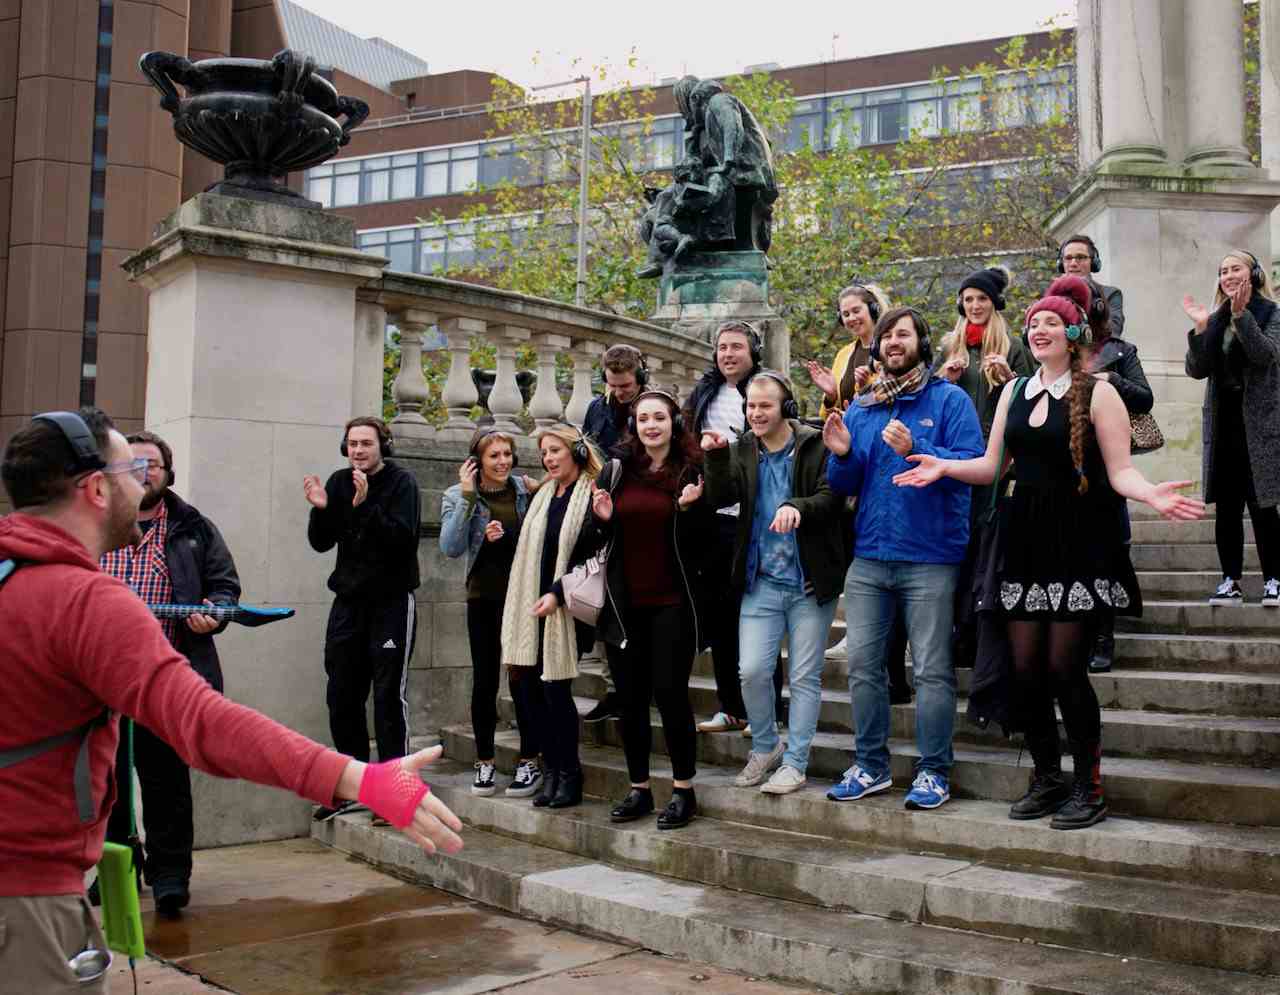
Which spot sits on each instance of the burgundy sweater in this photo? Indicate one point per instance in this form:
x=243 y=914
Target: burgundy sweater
x=73 y=640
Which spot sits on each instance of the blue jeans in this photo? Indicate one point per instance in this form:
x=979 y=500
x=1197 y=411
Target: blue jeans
x=874 y=590
x=768 y=612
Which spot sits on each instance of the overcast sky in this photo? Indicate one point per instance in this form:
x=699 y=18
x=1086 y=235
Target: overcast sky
x=674 y=38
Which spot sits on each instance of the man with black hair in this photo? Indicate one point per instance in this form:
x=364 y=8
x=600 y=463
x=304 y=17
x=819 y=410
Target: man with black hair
x=370 y=510
x=78 y=649
x=1080 y=257
x=181 y=559
x=717 y=404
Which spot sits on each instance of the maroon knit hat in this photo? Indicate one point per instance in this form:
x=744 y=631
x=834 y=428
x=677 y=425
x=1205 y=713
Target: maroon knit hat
x=1068 y=297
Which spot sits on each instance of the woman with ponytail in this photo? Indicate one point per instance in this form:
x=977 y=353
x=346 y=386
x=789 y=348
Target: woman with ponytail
x=1063 y=560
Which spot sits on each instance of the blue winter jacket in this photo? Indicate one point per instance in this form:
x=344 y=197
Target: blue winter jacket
x=462 y=522
x=914 y=524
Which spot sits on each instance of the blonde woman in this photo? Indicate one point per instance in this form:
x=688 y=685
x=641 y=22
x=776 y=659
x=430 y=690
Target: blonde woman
x=858 y=308
x=558 y=533
x=1236 y=350
x=979 y=355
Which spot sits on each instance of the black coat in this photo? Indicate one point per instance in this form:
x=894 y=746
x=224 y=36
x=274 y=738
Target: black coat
x=200 y=566
x=732 y=475
x=605 y=422
x=1118 y=359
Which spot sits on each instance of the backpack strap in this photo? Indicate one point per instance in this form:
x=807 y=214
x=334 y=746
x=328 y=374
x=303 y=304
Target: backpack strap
x=82 y=733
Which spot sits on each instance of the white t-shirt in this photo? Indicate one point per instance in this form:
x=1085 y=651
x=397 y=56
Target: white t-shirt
x=725 y=415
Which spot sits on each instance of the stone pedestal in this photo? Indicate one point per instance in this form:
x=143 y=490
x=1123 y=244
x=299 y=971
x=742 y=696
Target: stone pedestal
x=1161 y=235
x=705 y=289
x=256 y=359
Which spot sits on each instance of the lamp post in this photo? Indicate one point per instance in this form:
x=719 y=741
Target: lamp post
x=581 y=286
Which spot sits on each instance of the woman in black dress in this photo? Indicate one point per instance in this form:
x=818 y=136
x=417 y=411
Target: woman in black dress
x=1065 y=563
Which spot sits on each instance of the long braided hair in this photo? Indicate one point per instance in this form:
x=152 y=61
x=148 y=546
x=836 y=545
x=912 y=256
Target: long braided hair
x=1068 y=297
x=1079 y=398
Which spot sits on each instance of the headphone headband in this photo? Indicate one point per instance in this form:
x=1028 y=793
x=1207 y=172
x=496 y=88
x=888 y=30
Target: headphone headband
x=790 y=409
x=85 y=456
x=755 y=341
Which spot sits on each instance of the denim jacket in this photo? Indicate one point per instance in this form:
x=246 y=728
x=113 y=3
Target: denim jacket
x=462 y=522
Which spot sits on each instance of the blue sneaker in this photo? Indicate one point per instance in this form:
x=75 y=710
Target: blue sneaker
x=858 y=783
x=928 y=790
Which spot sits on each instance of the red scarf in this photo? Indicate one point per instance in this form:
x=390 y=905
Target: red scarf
x=973 y=334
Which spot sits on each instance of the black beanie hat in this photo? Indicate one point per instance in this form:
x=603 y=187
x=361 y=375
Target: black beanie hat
x=991 y=282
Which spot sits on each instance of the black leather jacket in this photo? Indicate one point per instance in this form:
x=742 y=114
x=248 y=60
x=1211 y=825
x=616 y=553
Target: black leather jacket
x=1118 y=359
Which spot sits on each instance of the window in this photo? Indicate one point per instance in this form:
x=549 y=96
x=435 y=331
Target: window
x=432 y=251
x=844 y=120
x=404 y=176
x=346 y=183
x=924 y=108
x=464 y=168
x=377 y=179
x=805 y=126
x=320 y=185
x=884 y=117
x=964 y=105
x=400 y=249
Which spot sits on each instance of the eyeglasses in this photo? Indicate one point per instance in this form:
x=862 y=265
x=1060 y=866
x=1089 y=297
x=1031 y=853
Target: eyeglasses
x=136 y=467
x=1075 y=258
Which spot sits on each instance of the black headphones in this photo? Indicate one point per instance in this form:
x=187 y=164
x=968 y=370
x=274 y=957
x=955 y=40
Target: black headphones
x=922 y=334
x=1095 y=260
x=1256 y=276
x=754 y=340
x=789 y=407
x=580 y=452
x=858 y=290
x=484 y=434
x=86 y=457
x=386 y=447
x=677 y=419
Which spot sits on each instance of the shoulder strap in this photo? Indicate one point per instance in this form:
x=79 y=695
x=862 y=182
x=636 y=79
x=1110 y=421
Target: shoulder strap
x=83 y=785
x=1019 y=384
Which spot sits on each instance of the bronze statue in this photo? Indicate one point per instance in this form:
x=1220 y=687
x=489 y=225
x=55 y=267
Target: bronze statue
x=733 y=209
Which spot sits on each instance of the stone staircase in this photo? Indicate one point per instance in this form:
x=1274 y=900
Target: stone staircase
x=1179 y=891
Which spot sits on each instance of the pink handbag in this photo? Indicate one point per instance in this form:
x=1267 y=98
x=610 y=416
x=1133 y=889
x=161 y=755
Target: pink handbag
x=584 y=591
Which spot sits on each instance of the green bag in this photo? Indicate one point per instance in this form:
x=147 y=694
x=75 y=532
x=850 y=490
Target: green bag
x=118 y=881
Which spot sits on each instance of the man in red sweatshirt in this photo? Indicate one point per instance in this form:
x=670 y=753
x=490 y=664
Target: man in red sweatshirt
x=77 y=649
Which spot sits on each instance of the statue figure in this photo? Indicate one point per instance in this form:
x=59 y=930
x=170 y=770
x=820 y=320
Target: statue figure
x=685 y=214
x=724 y=136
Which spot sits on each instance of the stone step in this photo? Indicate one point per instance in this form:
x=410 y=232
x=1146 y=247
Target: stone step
x=1204 y=654
x=1192 y=585
x=1211 y=927
x=1186 y=556
x=1162 y=532
x=1148 y=788
x=1196 y=617
x=1253 y=742
x=1199 y=853
x=789 y=940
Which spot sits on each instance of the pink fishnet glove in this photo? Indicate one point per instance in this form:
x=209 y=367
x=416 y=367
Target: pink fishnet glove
x=392 y=792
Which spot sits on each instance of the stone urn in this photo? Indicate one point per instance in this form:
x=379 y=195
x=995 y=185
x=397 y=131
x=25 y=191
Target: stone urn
x=260 y=119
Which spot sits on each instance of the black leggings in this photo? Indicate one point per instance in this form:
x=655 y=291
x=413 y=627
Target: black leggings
x=1233 y=486
x=1050 y=661
x=484 y=630
x=548 y=711
x=655 y=666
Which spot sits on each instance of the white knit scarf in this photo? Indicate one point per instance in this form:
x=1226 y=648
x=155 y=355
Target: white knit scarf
x=519 y=624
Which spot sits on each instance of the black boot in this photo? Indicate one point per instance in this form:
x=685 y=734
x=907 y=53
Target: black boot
x=680 y=810
x=569 y=790
x=1104 y=648
x=1087 y=805
x=637 y=804
x=1047 y=791
x=550 y=785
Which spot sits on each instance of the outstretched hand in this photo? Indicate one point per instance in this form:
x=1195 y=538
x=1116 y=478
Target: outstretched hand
x=601 y=502
x=927 y=470
x=1174 y=506
x=395 y=791
x=821 y=377
x=1197 y=312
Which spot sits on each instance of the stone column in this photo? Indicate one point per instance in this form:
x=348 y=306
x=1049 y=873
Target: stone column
x=459 y=394
x=1128 y=74
x=545 y=405
x=1214 y=60
x=505 y=402
x=1270 y=98
x=371 y=340
x=584 y=354
x=253 y=327
x=410 y=390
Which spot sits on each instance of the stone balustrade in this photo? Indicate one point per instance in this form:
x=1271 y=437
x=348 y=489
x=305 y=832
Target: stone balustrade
x=464 y=312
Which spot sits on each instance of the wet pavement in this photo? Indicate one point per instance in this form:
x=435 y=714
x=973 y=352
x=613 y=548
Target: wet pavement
x=296 y=918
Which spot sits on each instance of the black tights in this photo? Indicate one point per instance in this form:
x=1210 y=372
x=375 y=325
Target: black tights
x=1050 y=661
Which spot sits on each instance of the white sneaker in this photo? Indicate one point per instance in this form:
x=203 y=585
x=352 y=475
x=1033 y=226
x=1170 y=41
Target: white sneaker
x=1228 y=593
x=758 y=767
x=839 y=651
x=1271 y=593
x=483 y=784
x=721 y=722
x=527 y=780
x=784 y=781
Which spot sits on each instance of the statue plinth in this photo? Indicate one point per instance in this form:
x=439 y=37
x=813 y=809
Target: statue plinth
x=701 y=290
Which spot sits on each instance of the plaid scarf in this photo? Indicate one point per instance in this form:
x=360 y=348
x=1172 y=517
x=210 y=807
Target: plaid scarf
x=144 y=568
x=885 y=389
